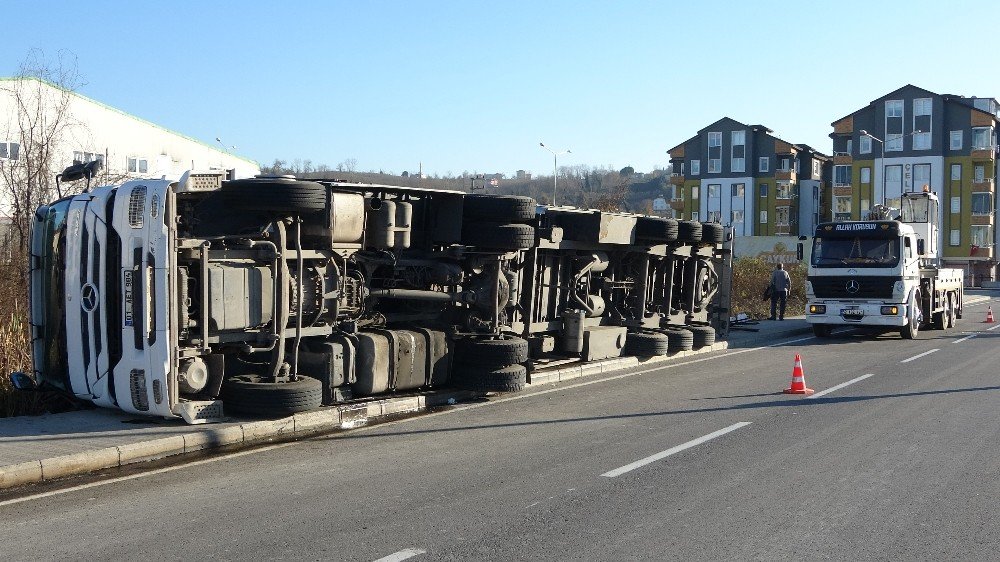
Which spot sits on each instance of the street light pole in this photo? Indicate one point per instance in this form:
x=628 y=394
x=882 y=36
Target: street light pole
x=555 y=167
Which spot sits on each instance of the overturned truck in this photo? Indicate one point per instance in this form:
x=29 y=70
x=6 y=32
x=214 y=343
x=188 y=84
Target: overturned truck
x=275 y=295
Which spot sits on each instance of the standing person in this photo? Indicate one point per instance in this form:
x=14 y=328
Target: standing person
x=781 y=284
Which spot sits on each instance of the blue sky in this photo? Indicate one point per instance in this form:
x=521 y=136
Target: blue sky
x=474 y=86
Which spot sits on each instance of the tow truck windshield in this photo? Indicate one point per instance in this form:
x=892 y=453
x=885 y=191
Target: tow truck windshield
x=48 y=243
x=855 y=251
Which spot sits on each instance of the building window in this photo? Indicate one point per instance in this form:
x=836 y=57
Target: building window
x=866 y=204
x=9 y=150
x=956 y=205
x=841 y=208
x=865 y=144
x=956 y=171
x=738 y=151
x=737 y=215
x=738 y=189
x=980 y=173
x=695 y=167
x=956 y=140
x=842 y=175
x=783 y=191
x=137 y=165
x=922 y=140
x=715 y=216
x=694 y=192
x=850 y=146
x=981 y=235
x=84 y=157
x=982 y=204
x=763 y=217
x=764 y=163
x=816 y=169
x=922 y=110
x=866 y=175
x=762 y=188
x=781 y=216
x=921 y=176
x=694 y=215
x=784 y=164
x=894 y=108
x=713 y=190
x=955 y=237
x=982 y=138
x=894 y=142
x=714 y=165
x=714 y=153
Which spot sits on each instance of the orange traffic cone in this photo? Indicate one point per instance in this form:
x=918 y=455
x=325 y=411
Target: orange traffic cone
x=798 y=379
x=989 y=314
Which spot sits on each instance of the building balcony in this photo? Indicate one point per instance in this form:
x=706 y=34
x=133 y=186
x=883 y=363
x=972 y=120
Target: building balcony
x=842 y=190
x=983 y=153
x=984 y=218
x=677 y=204
x=676 y=179
x=981 y=252
x=785 y=175
x=841 y=158
x=983 y=186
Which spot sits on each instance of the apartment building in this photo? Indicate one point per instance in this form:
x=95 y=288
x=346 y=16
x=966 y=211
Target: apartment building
x=744 y=176
x=913 y=139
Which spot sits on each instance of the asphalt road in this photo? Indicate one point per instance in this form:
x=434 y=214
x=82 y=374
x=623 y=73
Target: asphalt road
x=699 y=460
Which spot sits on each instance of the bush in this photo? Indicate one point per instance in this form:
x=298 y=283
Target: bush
x=752 y=275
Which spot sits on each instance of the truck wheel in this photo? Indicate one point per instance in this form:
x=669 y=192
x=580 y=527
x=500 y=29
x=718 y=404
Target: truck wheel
x=250 y=394
x=642 y=344
x=499 y=208
x=943 y=319
x=951 y=310
x=656 y=229
x=712 y=233
x=485 y=379
x=912 y=327
x=703 y=335
x=680 y=339
x=491 y=352
x=822 y=330
x=498 y=236
x=689 y=231
x=291 y=196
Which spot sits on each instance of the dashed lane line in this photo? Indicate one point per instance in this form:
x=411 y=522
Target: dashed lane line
x=839 y=386
x=924 y=354
x=968 y=337
x=672 y=451
x=404 y=554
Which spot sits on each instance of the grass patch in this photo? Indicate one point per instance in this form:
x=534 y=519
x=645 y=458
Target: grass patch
x=752 y=275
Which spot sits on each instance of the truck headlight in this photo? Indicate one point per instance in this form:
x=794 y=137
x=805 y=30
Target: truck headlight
x=817 y=309
x=890 y=310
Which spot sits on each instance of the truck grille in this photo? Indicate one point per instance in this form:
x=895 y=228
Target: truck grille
x=840 y=287
x=137 y=206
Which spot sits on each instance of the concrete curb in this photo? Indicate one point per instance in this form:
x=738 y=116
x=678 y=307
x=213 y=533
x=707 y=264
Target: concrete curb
x=326 y=420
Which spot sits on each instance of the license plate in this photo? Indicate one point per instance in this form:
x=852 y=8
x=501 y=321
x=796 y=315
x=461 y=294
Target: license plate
x=127 y=284
x=852 y=313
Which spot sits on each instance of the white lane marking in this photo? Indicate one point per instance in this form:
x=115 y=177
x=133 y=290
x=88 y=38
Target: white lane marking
x=993 y=328
x=915 y=357
x=968 y=337
x=726 y=353
x=673 y=450
x=142 y=474
x=839 y=386
x=402 y=555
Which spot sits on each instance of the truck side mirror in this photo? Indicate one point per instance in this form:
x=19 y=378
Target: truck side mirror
x=798 y=251
x=23 y=382
x=920 y=246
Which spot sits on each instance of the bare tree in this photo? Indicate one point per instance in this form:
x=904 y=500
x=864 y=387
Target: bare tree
x=40 y=94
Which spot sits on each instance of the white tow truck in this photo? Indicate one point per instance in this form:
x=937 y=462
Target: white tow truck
x=883 y=273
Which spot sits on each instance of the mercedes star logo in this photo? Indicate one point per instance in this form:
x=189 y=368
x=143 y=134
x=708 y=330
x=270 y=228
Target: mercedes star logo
x=88 y=298
x=853 y=286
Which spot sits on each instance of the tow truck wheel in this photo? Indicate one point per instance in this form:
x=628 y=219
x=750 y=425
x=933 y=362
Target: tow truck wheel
x=822 y=330
x=499 y=208
x=912 y=327
x=252 y=394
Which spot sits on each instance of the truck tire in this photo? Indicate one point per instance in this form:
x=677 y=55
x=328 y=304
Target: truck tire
x=680 y=339
x=944 y=319
x=491 y=352
x=689 y=231
x=822 y=330
x=511 y=378
x=951 y=310
x=494 y=236
x=712 y=233
x=656 y=229
x=499 y=208
x=912 y=327
x=291 y=196
x=643 y=344
x=249 y=394
x=703 y=335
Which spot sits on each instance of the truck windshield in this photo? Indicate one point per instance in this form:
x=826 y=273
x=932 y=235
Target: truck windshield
x=48 y=243
x=856 y=251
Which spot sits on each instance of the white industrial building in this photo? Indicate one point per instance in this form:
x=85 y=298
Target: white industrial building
x=127 y=145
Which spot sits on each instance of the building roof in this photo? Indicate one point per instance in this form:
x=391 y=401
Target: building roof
x=897 y=91
x=767 y=131
x=119 y=111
